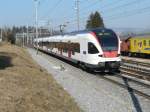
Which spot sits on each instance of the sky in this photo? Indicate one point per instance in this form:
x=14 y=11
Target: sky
x=119 y=14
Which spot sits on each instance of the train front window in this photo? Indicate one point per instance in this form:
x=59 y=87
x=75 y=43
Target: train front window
x=92 y=48
x=108 y=40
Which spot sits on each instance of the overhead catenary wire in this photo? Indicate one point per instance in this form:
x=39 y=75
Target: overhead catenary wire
x=103 y=8
x=124 y=5
x=51 y=10
x=42 y=1
x=97 y=3
x=109 y=16
x=132 y=13
x=115 y=8
x=83 y=9
x=115 y=17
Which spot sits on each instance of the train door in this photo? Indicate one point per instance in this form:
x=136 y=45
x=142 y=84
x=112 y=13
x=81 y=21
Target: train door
x=83 y=51
x=69 y=53
x=69 y=49
x=61 y=51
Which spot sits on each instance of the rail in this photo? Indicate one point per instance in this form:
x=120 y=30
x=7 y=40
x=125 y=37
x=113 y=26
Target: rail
x=125 y=85
x=138 y=63
x=124 y=81
x=136 y=69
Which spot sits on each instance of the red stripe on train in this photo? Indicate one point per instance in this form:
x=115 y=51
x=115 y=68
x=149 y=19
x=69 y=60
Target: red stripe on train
x=110 y=54
x=94 y=35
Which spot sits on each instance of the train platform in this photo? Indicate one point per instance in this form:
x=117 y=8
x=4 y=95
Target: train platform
x=135 y=59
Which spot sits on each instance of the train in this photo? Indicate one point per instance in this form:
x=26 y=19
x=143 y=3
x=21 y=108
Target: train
x=136 y=46
x=95 y=49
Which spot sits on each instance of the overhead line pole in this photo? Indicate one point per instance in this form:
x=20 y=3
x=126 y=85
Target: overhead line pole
x=77 y=13
x=36 y=21
x=27 y=34
x=36 y=18
x=1 y=34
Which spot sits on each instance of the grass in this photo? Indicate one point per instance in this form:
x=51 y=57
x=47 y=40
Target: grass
x=26 y=87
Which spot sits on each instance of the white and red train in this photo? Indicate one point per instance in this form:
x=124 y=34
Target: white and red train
x=97 y=49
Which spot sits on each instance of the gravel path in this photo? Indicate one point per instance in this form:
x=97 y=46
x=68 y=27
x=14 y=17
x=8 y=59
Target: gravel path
x=92 y=93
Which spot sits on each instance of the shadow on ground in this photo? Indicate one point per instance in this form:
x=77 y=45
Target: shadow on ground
x=135 y=100
x=5 y=61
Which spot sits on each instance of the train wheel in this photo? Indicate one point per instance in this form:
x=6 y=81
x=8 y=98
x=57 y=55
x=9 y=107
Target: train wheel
x=130 y=54
x=90 y=70
x=83 y=67
x=117 y=70
x=78 y=64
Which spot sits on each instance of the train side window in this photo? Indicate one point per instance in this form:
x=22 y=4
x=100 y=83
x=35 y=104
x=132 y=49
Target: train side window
x=72 y=48
x=65 y=48
x=92 y=48
x=77 y=47
x=134 y=42
x=144 y=43
x=50 y=45
x=46 y=43
x=42 y=43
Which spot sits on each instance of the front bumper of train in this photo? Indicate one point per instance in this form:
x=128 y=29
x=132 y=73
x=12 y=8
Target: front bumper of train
x=105 y=65
x=109 y=65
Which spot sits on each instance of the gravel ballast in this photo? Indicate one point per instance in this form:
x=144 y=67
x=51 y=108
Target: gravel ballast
x=92 y=93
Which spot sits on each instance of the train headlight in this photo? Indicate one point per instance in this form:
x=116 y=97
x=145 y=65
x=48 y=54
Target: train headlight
x=100 y=55
x=118 y=55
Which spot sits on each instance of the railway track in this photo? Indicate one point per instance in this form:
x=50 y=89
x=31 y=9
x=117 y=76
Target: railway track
x=136 y=69
x=138 y=63
x=132 y=85
x=134 y=76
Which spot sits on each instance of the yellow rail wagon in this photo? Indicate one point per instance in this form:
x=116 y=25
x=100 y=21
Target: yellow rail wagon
x=140 y=45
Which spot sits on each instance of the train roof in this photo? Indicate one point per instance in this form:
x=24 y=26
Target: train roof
x=77 y=32
x=142 y=36
x=101 y=29
x=137 y=36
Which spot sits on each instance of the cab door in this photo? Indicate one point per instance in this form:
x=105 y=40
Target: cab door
x=83 y=50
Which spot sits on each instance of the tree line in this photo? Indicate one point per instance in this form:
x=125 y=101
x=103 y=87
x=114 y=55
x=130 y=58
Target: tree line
x=8 y=33
x=94 y=21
